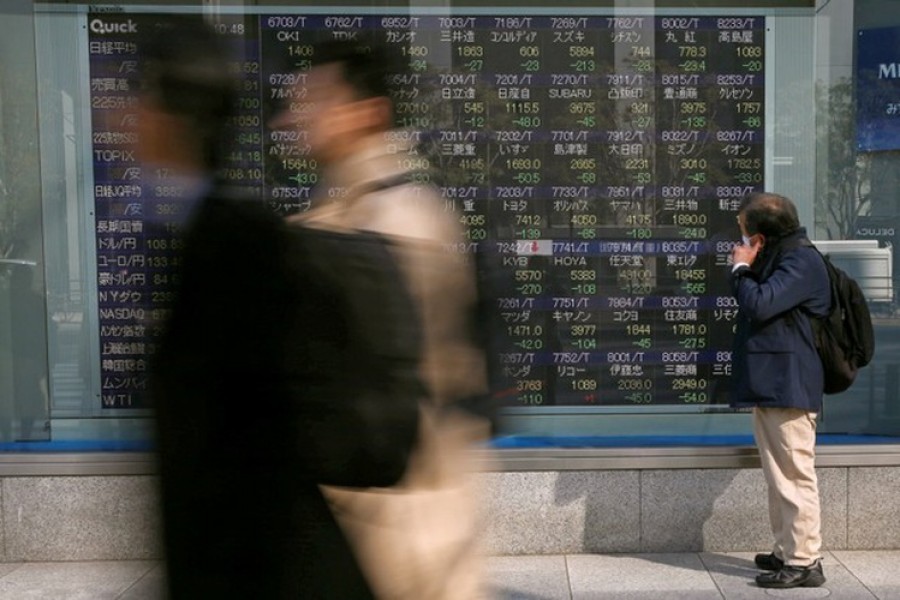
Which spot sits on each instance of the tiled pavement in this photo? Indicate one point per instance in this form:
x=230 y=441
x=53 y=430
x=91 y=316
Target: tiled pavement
x=703 y=576
x=851 y=575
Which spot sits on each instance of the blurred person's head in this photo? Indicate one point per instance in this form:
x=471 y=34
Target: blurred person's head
x=187 y=93
x=767 y=215
x=348 y=98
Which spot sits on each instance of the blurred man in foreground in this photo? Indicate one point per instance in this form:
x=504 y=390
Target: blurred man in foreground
x=242 y=511
x=416 y=540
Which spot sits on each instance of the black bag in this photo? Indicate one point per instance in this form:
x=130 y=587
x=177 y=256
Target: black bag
x=353 y=355
x=845 y=338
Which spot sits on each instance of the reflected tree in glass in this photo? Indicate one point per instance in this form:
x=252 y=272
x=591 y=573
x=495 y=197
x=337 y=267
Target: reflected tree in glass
x=845 y=174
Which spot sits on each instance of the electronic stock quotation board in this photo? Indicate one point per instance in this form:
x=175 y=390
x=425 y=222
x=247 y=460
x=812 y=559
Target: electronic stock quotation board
x=596 y=164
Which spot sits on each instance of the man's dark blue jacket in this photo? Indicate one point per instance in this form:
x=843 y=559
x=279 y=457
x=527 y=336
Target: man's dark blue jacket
x=775 y=363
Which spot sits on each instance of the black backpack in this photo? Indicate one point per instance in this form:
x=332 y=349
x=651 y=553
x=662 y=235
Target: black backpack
x=845 y=338
x=352 y=355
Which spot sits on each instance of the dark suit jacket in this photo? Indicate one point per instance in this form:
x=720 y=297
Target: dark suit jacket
x=775 y=362
x=242 y=510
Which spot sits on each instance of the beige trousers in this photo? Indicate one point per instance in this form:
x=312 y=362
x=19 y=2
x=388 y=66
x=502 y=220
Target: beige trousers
x=786 y=438
x=420 y=540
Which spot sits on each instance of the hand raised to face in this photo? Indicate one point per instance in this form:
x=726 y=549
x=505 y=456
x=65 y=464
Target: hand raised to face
x=746 y=253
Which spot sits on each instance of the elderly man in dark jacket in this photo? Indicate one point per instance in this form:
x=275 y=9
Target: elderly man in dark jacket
x=780 y=281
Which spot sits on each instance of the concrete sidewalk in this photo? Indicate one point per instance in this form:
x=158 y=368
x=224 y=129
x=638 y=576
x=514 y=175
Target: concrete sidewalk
x=851 y=575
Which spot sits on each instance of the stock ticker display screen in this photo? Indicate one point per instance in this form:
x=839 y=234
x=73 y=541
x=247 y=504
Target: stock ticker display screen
x=596 y=164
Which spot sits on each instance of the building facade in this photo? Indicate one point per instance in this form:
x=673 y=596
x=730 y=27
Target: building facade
x=595 y=153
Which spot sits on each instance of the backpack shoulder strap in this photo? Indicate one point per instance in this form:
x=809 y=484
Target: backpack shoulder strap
x=379 y=185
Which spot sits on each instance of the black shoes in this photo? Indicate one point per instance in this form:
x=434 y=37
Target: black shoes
x=788 y=576
x=768 y=562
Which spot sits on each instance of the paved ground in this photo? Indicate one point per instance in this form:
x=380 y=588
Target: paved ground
x=703 y=576
x=851 y=575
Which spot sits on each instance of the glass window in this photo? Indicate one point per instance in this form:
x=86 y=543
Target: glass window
x=595 y=155
x=24 y=381
x=856 y=197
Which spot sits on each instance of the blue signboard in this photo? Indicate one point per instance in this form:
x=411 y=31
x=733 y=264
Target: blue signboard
x=878 y=89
